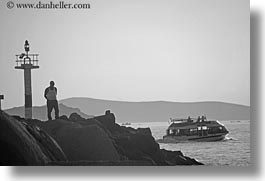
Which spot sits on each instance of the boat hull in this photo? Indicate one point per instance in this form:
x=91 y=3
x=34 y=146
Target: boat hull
x=177 y=139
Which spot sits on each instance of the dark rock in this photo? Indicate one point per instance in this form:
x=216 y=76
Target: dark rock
x=108 y=120
x=128 y=130
x=48 y=145
x=95 y=141
x=146 y=131
x=107 y=112
x=138 y=144
x=86 y=143
x=81 y=139
x=64 y=117
x=177 y=158
x=144 y=143
x=22 y=144
x=75 y=117
x=93 y=121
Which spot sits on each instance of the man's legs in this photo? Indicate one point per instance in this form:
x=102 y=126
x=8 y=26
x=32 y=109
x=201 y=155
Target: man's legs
x=56 y=108
x=49 y=109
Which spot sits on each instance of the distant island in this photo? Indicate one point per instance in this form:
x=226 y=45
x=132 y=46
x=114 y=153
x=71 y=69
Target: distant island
x=159 y=111
x=153 y=111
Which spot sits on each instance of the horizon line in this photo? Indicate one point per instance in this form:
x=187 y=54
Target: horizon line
x=214 y=101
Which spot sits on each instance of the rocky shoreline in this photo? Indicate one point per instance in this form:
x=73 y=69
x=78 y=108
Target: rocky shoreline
x=76 y=141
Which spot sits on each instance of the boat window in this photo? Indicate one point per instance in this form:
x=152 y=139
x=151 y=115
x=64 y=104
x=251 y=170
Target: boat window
x=204 y=127
x=170 y=131
x=216 y=129
x=174 y=132
x=193 y=131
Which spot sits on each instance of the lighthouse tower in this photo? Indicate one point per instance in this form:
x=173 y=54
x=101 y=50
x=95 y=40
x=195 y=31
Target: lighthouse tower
x=26 y=62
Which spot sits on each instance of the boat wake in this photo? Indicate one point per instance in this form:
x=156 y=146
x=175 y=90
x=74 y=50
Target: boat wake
x=229 y=138
x=173 y=141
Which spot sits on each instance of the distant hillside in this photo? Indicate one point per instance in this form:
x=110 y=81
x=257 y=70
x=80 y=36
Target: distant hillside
x=40 y=112
x=159 y=110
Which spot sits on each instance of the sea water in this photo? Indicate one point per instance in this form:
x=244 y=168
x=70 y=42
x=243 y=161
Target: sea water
x=234 y=150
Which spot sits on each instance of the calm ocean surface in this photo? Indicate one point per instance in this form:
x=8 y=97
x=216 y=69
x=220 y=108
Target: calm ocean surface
x=234 y=151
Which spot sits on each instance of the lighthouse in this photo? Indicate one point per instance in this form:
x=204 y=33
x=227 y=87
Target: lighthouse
x=26 y=62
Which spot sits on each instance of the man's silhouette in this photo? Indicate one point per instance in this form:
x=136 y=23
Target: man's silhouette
x=51 y=96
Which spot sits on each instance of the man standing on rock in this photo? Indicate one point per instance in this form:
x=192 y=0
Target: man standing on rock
x=51 y=96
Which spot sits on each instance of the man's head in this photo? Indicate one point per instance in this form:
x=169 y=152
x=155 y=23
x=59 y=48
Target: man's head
x=51 y=83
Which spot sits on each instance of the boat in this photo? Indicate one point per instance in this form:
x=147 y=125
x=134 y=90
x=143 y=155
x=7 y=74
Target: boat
x=126 y=124
x=192 y=129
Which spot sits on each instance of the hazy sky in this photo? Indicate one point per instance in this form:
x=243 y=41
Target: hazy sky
x=131 y=50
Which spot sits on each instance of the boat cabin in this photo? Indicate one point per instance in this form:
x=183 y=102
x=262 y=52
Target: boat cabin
x=191 y=128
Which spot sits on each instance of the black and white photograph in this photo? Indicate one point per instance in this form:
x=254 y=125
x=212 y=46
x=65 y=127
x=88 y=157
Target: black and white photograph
x=125 y=83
